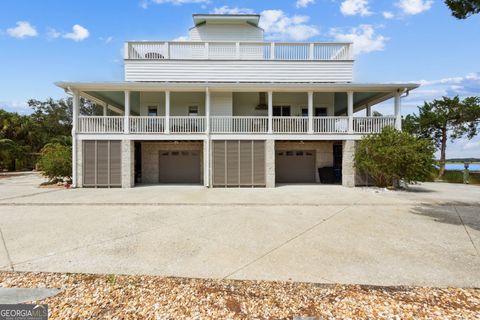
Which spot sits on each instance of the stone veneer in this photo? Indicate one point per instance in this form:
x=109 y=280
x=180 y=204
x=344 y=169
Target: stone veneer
x=348 y=169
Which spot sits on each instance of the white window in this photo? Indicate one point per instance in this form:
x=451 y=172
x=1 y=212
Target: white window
x=193 y=111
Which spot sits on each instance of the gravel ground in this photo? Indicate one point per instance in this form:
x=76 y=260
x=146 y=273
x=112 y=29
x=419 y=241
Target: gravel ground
x=87 y=296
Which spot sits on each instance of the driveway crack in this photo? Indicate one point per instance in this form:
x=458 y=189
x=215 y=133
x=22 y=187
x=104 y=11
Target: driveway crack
x=6 y=251
x=286 y=242
x=466 y=230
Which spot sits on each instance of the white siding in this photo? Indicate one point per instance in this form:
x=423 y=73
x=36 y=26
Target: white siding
x=245 y=103
x=218 y=32
x=221 y=104
x=179 y=102
x=239 y=71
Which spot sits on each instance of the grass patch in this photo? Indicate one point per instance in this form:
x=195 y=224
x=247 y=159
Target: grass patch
x=457 y=177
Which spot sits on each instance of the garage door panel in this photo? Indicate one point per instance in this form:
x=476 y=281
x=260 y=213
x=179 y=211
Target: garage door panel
x=89 y=160
x=295 y=166
x=179 y=166
x=233 y=163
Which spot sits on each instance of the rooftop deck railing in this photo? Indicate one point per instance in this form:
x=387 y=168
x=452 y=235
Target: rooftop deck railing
x=233 y=125
x=197 y=50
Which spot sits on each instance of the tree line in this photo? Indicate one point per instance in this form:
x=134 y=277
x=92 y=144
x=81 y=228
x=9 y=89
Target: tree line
x=22 y=137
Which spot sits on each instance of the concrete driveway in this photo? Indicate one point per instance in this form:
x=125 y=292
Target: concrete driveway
x=329 y=234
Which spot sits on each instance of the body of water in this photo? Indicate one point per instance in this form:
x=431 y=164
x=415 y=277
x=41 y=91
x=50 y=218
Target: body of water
x=461 y=167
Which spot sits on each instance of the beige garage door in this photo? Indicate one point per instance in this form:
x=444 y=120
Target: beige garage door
x=238 y=163
x=179 y=166
x=102 y=163
x=295 y=166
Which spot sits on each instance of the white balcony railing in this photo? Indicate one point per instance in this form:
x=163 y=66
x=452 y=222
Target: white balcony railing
x=290 y=124
x=239 y=124
x=100 y=124
x=235 y=124
x=187 y=124
x=147 y=124
x=197 y=50
x=372 y=124
x=330 y=124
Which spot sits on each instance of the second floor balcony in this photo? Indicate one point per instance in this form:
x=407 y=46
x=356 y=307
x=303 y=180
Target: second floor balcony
x=232 y=125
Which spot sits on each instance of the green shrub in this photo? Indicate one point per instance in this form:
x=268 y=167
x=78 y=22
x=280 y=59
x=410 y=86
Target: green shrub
x=457 y=177
x=392 y=155
x=56 y=161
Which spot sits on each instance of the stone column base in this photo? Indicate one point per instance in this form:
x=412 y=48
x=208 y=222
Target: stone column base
x=128 y=164
x=270 y=163
x=348 y=169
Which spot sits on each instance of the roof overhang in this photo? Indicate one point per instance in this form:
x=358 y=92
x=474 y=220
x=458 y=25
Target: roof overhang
x=252 y=19
x=237 y=87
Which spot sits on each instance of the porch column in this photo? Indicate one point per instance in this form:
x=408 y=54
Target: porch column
x=76 y=107
x=167 y=112
x=310 y=112
x=398 y=114
x=104 y=110
x=350 y=111
x=369 y=111
x=270 y=111
x=207 y=110
x=126 y=127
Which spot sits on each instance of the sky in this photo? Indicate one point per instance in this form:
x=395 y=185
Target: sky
x=395 y=41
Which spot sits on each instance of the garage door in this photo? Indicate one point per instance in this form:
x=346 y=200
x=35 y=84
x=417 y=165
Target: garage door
x=179 y=166
x=238 y=163
x=102 y=163
x=295 y=166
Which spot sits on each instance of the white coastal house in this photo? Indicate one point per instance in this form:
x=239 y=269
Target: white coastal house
x=227 y=109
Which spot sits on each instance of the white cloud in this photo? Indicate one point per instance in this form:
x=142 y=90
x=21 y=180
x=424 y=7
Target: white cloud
x=388 y=15
x=232 y=10
x=364 y=38
x=53 y=34
x=78 y=33
x=279 y=26
x=107 y=40
x=181 y=38
x=412 y=7
x=472 y=145
x=15 y=106
x=304 y=3
x=145 y=3
x=474 y=76
x=22 y=30
x=355 y=7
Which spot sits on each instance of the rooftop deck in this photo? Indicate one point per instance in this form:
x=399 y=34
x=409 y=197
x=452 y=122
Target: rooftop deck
x=198 y=50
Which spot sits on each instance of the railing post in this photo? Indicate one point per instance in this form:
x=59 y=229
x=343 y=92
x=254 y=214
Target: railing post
x=270 y=111
x=207 y=110
x=272 y=51
x=350 y=111
x=167 y=112
x=126 y=50
x=311 y=51
x=398 y=113
x=310 y=111
x=167 y=50
x=126 y=114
